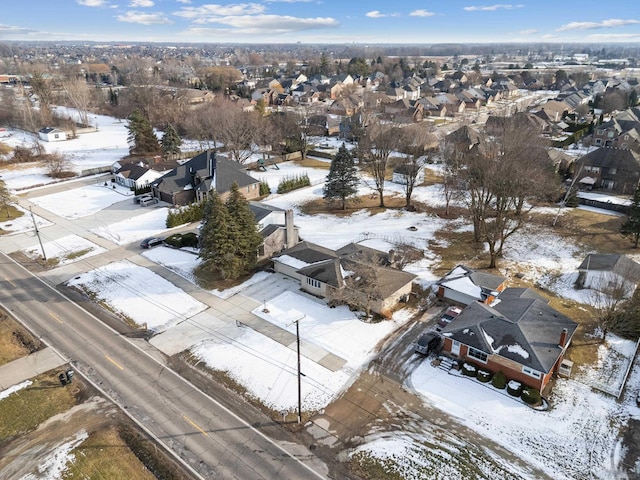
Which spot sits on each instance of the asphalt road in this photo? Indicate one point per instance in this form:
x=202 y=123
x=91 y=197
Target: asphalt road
x=190 y=423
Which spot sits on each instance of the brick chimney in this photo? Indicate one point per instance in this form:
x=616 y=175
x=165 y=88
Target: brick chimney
x=563 y=338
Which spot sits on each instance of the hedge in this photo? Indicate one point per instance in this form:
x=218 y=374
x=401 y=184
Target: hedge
x=531 y=396
x=288 y=184
x=484 y=376
x=179 y=240
x=264 y=189
x=187 y=214
x=514 y=388
x=469 y=370
x=499 y=380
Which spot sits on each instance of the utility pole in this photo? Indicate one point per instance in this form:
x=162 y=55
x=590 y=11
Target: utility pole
x=297 y=322
x=35 y=226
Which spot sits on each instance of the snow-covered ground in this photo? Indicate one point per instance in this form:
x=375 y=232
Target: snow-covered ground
x=133 y=229
x=23 y=223
x=14 y=388
x=65 y=250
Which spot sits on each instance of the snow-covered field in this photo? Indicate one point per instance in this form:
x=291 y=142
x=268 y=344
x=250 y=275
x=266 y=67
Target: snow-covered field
x=66 y=249
x=23 y=223
x=132 y=229
x=80 y=202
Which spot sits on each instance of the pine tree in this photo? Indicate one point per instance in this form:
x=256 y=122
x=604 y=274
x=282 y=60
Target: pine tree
x=342 y=181
x=141 y=137
x=631 y=228
x=5 y=197
x=170 y=142
x=249 y=239
x=217 y=240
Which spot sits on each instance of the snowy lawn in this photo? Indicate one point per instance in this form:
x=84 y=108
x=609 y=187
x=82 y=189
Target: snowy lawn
x=138 y=294
x=273 y=176
x=337 y=330
x=581 y=428
x=135 y=228
x=268 y=370
x=178 y=261
x=24 y=223
x=58 y=461
x=83 y=201
x=65 y=250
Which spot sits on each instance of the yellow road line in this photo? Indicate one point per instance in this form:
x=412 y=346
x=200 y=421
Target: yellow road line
x=10 y=282
x=55 y=317
x=114 y=362
x=195 y=426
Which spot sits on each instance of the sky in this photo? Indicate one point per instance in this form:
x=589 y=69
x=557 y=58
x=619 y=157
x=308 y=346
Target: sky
x=321 y=21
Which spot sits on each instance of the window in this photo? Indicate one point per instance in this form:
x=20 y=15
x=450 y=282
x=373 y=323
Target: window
x=598 y=141
x=55 y=135
x=612 y=171
x=599 y=131
x=531 y=372
x=608 y=184
x=610 y=134
x=313 y=282
x=477 y=354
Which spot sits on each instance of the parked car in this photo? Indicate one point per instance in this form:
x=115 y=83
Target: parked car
x=151 y=242
x=445 y=319
x=137 y=198
x=427 y=343
x=146 y=201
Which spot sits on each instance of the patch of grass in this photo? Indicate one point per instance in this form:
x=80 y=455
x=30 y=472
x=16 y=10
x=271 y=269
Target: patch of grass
x=5 y=149
x=10 y=213
x=313 y=163
x=365 y=202
x=15 y=341
x=105 y=455
x=24 y=410
x=78 y=254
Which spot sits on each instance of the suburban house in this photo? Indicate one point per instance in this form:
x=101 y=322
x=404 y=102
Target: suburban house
x=194 y=179
x=614 y=169
x=608 y=271
x=621 y=131
x=520 y=336
x=136 y=175
x=52 y=134
x=276 y=227
x=465 y=285
x=355 y=274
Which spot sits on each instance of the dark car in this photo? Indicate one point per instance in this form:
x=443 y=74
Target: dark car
x=450 y=314
x=427 y=343
x=151 y=242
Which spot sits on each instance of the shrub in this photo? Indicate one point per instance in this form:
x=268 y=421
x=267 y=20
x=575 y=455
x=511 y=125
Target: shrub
x=499 y=380
x=287 y=184
x=514 y=388
x=264 y=189
x=174 y=240
x=469 y=370
x=186 y=214
x=484 y=376
x=531 y=396
x=190 y=239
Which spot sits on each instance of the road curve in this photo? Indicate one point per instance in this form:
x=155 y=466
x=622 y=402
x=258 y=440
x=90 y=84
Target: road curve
x=190 y=423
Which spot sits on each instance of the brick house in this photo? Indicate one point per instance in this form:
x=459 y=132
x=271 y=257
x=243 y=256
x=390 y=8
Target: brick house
x=616 y=170
x=520 y=336
x=465 y=285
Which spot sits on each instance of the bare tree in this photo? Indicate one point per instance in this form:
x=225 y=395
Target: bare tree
x=451 y=179
x=58 y=166
x=79 y=95
x=42 y=88
x=373 y=151
x=5 y=197
x=237 y=131
x=417 y=145
x=610 y=293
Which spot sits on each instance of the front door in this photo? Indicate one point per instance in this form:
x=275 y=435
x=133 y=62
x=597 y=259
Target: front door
x=455 y=348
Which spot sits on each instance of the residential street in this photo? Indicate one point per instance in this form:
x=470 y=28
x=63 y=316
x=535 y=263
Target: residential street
x=213 y=440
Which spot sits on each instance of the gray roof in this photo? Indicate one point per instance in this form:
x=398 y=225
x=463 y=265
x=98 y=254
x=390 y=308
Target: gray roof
x=612 y=262
x=262 y=210
x=309 y=252
x=132 y=170
x=520 y=292
x=484 y=280
x=525 y=330
x=197 y=172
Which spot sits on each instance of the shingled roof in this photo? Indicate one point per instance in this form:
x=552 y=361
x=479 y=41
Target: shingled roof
x=525 y=330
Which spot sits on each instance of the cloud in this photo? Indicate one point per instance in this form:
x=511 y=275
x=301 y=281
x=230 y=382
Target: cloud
x=492 y=8
x=375 y=14
x=421 y=13
x=278 y=24
x=144 y=18
x=141 y=3
x=203 y=12
x=91 y=3
x=611 y=23
x=13 y=30
x=550 y=36
x=614 y=37
x=530 y=31
x=290 y=1
x=184 y=1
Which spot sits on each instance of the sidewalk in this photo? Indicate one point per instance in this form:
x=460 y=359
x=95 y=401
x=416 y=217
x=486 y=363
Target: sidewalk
x=222 y=314
x=28 y=367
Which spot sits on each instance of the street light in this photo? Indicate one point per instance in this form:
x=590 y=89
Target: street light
x=297 y=322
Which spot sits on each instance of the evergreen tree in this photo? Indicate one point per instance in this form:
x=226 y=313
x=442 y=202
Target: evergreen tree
x=217 y=240
x=141 y=138
x=342 y=181
x=170 y=142
x=5 y=197
x=631 y=228
x=248 y=238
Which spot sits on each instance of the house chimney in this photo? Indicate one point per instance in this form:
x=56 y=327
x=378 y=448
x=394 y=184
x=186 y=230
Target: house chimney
x=211 y=163
x=391 y=256
x=290 y=230
x=563 y=338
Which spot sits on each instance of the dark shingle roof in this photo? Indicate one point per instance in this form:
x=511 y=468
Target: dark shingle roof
x=612 y=262
x=525 y=330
